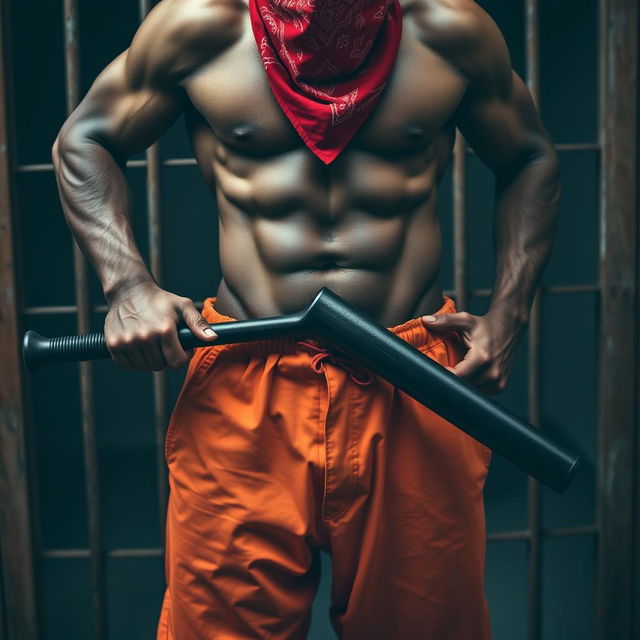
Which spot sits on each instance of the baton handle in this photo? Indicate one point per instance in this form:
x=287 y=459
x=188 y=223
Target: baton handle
x=38 y=351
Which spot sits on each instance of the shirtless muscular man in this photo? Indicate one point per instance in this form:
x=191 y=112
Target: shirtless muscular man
x=279 y=448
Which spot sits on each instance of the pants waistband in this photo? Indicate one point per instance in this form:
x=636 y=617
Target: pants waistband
x=412 y=331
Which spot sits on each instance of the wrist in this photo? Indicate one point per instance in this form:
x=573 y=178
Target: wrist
x=120 y=286
x=516 y=314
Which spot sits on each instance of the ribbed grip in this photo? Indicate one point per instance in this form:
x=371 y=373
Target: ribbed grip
x=90 y=346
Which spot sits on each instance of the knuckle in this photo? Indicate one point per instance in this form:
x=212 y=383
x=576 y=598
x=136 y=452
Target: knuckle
x=165 y=329
x=177 y=363
x=113 y=343
x=494 y=373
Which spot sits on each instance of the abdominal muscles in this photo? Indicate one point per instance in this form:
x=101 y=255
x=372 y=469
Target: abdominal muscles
x=382 y=265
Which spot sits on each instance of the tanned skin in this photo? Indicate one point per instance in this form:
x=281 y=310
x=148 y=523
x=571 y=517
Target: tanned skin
x=365 y=225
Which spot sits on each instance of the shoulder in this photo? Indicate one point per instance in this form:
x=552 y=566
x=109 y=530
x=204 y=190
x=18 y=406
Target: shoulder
x=179 y=36
x=463 y=33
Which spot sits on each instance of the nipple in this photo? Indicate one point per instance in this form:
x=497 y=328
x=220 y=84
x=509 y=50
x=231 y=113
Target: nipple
x=415 y=132
x=242 y=132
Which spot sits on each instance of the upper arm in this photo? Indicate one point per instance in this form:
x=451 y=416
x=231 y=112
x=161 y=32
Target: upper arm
x=496 y=115
x=139 y=95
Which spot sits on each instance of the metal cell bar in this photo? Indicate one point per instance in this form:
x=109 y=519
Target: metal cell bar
x=151 y=552
x=477 y=293
x=535 y=546
x=578 y=146
x=191 y=162
x=34 y=168
x=526 y=534
x=460 y=223
x=72 y=67
x=19 y=618
x=618 y=380
x=180 y=162
x=155 y=257
x=169 y=162
x=550 y=290
x=565 y=146
x=571 y=531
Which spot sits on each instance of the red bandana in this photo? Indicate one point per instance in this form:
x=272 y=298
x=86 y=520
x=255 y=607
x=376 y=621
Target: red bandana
x=327 y=62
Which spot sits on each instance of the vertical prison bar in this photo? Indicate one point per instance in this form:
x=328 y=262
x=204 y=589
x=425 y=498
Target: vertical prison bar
x=154 y=212
x=535 y=583
x=72 y=72
x=460 y=222
x=619 y=332
x=18 y=585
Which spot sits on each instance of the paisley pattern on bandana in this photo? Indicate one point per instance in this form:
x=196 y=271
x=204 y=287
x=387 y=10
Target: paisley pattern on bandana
x=327 y=62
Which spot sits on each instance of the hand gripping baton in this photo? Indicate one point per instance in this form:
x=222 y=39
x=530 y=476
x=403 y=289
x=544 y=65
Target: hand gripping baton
x=332 y=319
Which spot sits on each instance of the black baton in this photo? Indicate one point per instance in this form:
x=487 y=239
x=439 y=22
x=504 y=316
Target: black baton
x=331 y=318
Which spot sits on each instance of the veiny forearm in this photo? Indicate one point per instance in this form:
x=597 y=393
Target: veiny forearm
x=526 y=212
x=97 y=205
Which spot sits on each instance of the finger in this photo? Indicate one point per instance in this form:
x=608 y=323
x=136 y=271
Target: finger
x=137 y=359
x=461 y=321
x=121 y=359
x=198 y=325
x=153 y=355
x=471 y=365
x=117 y=352
x=174 y=354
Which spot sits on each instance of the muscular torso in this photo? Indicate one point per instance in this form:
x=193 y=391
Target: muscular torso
x=364 y=225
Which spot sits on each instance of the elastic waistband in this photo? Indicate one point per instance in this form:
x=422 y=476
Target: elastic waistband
x=412 y=331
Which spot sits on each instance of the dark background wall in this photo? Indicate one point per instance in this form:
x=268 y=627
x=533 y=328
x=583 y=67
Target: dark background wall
x=131 y=516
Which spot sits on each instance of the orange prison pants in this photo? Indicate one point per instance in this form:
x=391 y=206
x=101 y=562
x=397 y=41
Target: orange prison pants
x=279 y=448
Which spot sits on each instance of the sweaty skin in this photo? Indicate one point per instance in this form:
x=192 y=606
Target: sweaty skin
x=364 y=225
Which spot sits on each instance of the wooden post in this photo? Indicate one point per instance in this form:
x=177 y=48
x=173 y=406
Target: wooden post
x=618 y=383
x=16 y=542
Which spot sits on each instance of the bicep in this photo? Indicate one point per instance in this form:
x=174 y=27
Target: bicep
x=502 y=126
x=122 y=114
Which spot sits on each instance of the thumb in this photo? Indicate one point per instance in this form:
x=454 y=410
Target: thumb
x=198 y=325
x=460 y=321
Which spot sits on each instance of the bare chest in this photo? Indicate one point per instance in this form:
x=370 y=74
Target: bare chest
x=232 y=95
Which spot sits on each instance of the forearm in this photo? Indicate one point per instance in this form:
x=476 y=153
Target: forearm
x=97 y=205
x=526 y=212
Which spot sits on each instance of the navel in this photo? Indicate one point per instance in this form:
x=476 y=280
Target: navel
x=415 y=132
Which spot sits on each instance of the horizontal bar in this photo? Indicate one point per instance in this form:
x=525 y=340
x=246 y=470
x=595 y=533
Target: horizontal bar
x=71 y=308
x=509 y=535
x=571 y=531
x=478 y=293
x=190 y=162
x=69 y=554
x=553 y=289
x=154 y=552
x=565 y=146
x=170 y=162
x=525 y=534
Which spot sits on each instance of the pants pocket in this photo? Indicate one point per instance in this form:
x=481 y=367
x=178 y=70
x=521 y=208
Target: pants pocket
x=200 y=362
